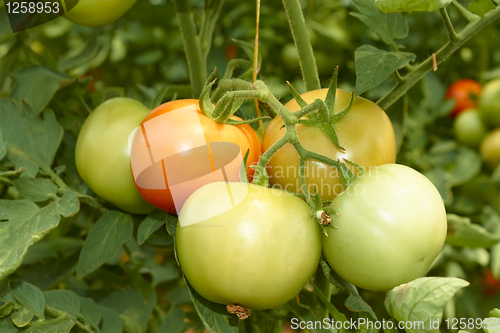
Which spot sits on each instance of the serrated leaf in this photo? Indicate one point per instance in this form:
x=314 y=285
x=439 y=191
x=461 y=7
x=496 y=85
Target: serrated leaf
x=388 y=27
x=422 y=300
x=111 y=321
x=29 y=136
x=481 y=7
x=22 y=317
x=36 y=86
x=104 y=241
x=374 y=66
x=173 y=323
x=461 y=232
x=151 y=223
x=23 y=223
x=28 y=296
x=64 y=300
x=36 y=189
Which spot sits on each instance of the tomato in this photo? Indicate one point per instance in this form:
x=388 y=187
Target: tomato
x=102 y=153
x=465 y=92
x=242 y=135
x=258 y=253
x=489 y=103
x=490 y=284
x=391 y=227
x=96 y=13
x=365 y=132
x=469 y=128
x=490 y=149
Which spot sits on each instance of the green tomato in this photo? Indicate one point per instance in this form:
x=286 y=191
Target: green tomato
x=489 y=103
x=102 y=153
x=96 y=13
x=391 y=225
x=490 y=149
x=394 y=6
x=258 y=253
x=469 y=128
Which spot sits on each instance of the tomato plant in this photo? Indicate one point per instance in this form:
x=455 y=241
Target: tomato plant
x=391 y=225
x=469 y=128
x=490 y=149
x=365 y=132
x=96 y=13
x=258 y=253
x=489 y=103
x=242 y=135
x=102 y=153
x=466 y=93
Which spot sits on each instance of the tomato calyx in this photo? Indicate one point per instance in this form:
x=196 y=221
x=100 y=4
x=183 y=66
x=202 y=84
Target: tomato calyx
x=241 y=312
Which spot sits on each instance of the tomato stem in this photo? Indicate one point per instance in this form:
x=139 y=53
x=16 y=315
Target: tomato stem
x=303 y=44
x=444 y=52
x=449 y=25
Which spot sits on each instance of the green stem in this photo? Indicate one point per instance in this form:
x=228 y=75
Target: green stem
x=303 y=44
x=470 y=16
x=192 y=47
x=448 y=24
x=210 y=17
x=449 y=48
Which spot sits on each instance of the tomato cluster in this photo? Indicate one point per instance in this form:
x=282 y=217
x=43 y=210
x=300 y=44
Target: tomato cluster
x=477 y=109
x=240 y=243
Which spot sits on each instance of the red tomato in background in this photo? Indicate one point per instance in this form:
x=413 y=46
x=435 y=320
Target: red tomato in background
x=242 y=135
x=465 y=92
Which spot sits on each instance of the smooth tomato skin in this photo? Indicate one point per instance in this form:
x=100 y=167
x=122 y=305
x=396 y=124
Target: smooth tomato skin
x=391 y=227
x=365 y=132
x=490 y=149
x=96 y=13
x=242 y=135
x=489 y=103
x=466 y=93
x=102 y=153
x=259 y=254
x=469 y=128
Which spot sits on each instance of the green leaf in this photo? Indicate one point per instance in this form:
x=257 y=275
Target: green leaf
x=466 y=164
x=131 y=325
x=24 y=223
x=6 y=326
x=3 y=147
x=130 y=303
x=354 y=302
x=461 y=232
x=64 y=300
x=28 y=296
x=22 y=317
x=159 y=273
x=104 y=241
x=90 y=311
x=388 y=27
x=491 y=325
x=179 y=296
x=422 y=300
x=481 y=7
x=36 y=189
x=59 y=325
x=393 y=6
x=153 y=222
x=304 y=314
x=52 y=248
x=374 y=66
x=6 y=309
x=495 y=313
x=442 y=181
x=29 y=136
x=111 y=321
x=36 y=86
x=173 y=323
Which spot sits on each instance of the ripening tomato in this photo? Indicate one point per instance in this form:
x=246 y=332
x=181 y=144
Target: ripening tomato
x=161 y=196
x=102 y=153
x=490 y=149
x=466 y=94
x=96 y=13
x=258 y=252
x=365 y=132
x=391 y=225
